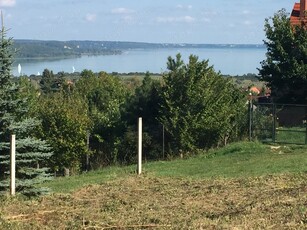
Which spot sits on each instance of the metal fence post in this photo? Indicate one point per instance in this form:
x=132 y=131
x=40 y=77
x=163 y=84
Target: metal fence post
x=274 y=124
x=163 y=142
x=250 y=107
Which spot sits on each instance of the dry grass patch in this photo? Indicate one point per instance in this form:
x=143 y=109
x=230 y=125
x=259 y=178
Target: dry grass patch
x=271 y=202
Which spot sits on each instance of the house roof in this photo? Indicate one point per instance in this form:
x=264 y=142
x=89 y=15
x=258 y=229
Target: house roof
x=255 y=90
x=298 y=15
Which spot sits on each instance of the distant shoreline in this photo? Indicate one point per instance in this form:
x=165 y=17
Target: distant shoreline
x=40 y=58
x=229 y=61
x=129 y=43
x=49 y=50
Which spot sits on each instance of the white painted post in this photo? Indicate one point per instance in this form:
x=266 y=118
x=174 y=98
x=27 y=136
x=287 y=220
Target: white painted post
x=13 y=167
x=140 y=146
x=88 y=148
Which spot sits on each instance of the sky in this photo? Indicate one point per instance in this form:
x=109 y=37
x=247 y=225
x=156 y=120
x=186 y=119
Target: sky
x=157 y=21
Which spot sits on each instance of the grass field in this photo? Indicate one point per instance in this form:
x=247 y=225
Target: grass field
x=242 y=186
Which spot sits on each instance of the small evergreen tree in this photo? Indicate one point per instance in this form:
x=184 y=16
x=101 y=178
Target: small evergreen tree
x=31 y=153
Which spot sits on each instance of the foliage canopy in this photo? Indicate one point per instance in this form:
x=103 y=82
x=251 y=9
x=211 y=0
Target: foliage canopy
x=199 y=107
x=285 y=67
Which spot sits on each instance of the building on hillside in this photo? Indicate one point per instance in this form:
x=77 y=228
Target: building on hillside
x=260 y=96
x=254 y=90
x=299 y=13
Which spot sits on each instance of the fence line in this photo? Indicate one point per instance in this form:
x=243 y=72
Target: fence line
x=278 y=123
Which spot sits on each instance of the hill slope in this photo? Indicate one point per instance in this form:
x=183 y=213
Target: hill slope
x=176 y=195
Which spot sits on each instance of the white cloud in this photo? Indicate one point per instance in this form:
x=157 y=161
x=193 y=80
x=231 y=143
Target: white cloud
x=8 y=3
x=90 y=17
x=187 y=19
x=122 y=10
x=184 y=7
x=247 y=22
x=246 y=12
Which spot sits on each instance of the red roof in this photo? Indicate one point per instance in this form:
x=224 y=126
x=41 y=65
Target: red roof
x=254 y=90
x=299 y=13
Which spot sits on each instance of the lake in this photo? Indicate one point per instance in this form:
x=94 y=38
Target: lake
x=232 y=61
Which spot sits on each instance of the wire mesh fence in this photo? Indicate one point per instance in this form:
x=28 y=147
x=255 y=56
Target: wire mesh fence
x=278 y=123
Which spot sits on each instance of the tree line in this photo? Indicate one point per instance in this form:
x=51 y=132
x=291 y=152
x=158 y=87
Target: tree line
x=61 y=49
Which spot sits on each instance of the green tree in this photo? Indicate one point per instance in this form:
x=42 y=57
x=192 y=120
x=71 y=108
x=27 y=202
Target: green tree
x=50 y=82
x=106 y=96
x=65 y=123
x=145 y=103
x=200 y=108
x=31 y=153
x=29 y=89
x=47 y=81
x=285 y=67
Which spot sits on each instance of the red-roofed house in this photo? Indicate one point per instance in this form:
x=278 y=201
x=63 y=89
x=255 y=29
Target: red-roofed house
x=299 y=13
x=254 y=90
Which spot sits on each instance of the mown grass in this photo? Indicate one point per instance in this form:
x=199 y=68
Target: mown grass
x=242 y=186
x=236 y=160
x=244 y=159
x=148 y=202
x=68 y=184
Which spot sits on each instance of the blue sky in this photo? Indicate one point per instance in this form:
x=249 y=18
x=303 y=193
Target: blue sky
x=160 y=21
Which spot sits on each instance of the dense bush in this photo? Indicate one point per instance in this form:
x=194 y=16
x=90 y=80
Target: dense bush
x=199 y=108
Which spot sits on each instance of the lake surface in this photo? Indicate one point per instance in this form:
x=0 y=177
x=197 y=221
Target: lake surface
x=232 y=61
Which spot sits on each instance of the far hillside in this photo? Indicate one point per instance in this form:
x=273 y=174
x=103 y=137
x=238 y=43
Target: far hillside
x=59 y=49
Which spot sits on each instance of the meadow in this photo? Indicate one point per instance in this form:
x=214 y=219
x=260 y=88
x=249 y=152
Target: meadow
x=246 y=185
